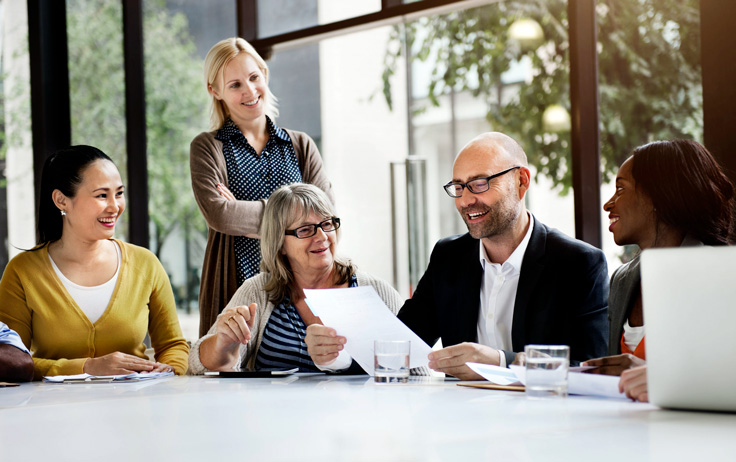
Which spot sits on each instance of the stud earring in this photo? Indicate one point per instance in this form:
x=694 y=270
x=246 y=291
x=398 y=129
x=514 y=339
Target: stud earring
x=63 y=213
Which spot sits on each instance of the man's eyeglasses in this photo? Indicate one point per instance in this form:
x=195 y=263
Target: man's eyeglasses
x=476 y=186
x=306 y=231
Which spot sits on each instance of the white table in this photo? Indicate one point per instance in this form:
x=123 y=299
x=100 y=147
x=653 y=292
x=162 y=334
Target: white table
x=332 y=418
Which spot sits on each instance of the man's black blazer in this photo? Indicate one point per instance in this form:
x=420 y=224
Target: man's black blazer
x=562 y=297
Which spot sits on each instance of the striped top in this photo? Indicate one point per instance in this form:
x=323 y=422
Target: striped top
x=283 y=343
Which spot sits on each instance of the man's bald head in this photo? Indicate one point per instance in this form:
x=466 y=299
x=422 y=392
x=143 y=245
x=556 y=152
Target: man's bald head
x=498 y=145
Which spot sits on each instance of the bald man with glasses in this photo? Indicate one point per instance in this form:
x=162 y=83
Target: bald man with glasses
x=510 y=281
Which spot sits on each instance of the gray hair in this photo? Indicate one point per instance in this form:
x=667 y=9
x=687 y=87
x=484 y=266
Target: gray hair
x=287 y=205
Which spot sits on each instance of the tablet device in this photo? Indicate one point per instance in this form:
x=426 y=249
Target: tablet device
x=253 y=373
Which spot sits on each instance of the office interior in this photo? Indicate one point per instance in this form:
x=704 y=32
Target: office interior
x=389 y=89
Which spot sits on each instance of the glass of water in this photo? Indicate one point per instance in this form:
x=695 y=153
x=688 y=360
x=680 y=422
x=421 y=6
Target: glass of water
x=391 y=360
x=546 y=370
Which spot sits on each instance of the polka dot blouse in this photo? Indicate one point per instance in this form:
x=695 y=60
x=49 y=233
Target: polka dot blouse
x=253 y=177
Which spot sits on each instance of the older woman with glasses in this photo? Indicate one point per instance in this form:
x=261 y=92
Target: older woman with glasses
x=264 y=325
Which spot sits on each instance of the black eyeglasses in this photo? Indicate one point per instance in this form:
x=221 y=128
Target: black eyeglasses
x=306 y=231
x=476 y=186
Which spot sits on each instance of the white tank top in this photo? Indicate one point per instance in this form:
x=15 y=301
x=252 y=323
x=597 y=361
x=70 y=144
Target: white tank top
x=632 y=335
x=92 y=300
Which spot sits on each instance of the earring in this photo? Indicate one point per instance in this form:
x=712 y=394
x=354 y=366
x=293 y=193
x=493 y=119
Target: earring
x=63 y=213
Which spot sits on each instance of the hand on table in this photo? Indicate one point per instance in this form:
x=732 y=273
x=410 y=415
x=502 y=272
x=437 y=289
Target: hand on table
x=634 y=383
x=323 y=344
x=451 y=360
x=117 y=364
x=161 y=367
x=613 y=365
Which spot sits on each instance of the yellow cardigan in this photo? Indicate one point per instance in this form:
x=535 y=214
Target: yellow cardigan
x=35 y=303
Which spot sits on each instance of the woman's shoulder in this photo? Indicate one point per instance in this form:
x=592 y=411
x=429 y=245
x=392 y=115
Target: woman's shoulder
x=29 y=259
x=205 y=141
x=626 y=271
x=252 y=287
x=137 y=255
x=301 y=141
x=386 y=291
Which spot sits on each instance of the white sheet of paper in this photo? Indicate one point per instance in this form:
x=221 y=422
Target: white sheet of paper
x=359 y=314
x=134 y=377
x=579 y=383
x=495 y=374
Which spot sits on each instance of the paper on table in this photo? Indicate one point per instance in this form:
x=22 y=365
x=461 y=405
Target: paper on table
x=87 y=378
x=495 y=374
x=359 y=314
x=580 y=383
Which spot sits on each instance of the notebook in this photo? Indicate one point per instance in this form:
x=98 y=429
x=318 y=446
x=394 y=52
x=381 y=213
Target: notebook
x=689 y=301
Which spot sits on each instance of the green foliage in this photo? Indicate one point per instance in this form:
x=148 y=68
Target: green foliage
x=175 y=101
x=649 y=80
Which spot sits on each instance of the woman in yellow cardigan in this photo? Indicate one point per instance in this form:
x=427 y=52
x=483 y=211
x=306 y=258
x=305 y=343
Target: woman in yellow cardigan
x=81 y=300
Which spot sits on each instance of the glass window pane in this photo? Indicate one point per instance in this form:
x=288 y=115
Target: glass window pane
x=650 y=84
x=17 y=201
x=97 y=81
x=281 y=16
x=502 y=67
x=178 y=34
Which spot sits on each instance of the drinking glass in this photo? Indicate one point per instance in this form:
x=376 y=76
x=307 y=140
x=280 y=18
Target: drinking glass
x=546 y=370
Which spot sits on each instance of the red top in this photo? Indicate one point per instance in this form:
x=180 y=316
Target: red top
x=639 y=352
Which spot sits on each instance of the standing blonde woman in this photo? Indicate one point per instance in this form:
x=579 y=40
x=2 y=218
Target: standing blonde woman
x=238 y=165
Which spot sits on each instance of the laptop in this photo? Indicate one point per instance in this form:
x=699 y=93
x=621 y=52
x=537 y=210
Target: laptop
x=689 y=301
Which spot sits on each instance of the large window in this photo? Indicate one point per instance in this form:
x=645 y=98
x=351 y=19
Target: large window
x=281 y=16
x=17 y=202
x=388 y=137
x=97 y=81
x=650 y=84
x=177 y=35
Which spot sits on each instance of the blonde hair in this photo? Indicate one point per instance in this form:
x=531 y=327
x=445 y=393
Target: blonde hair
x=217 y=59
x=285 y=206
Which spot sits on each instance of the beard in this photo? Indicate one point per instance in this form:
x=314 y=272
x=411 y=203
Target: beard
x=498 y=220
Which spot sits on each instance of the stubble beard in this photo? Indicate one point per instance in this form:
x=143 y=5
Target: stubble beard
x=498 y=221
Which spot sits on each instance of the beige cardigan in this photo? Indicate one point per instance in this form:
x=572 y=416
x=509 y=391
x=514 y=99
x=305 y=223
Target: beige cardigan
x=226 y=219
x=252 y=292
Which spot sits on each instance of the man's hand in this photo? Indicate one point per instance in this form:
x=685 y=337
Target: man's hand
x=451 y=360
x=613 y=365
x=323 y=344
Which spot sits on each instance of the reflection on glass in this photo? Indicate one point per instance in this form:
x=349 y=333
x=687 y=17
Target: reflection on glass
x=17 y=217
x=178 y=34
x=650 y=84
x=281 y=16
x=501 y=67
x=97 y=81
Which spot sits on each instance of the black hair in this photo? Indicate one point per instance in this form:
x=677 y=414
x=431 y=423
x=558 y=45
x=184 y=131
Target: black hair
x=687 y=187
x=62 y=170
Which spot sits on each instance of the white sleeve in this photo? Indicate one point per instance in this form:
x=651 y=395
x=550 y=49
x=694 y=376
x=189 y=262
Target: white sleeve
x=342 y=362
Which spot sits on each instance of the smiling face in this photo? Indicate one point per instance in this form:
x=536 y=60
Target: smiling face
x=630 y=212
x=99 y=201
x=493 y=212
x=314 y=255
x=244 y=89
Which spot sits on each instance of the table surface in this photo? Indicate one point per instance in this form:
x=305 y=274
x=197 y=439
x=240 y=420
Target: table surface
x=342 y=418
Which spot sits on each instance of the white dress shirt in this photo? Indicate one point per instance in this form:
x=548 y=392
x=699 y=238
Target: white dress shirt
x=498 y=295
